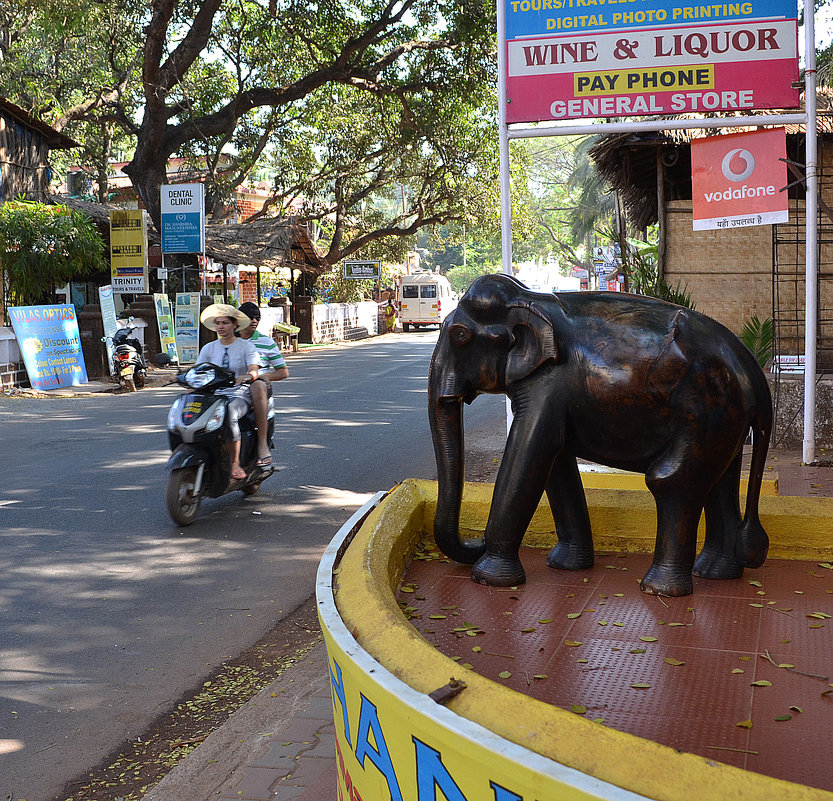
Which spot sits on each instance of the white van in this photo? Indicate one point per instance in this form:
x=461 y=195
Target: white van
x=424 y=299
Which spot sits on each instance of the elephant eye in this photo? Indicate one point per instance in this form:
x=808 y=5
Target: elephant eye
x=459 y=334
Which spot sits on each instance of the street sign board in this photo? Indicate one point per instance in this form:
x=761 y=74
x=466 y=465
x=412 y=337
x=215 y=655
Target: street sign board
x=50 y=344
x=363 y=269
x=183 y=218
x=187 y=326
x=128 y=251
x=568 y=59
x=736 y=180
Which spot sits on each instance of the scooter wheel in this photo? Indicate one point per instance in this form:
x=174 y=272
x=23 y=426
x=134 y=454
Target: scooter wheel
x=139 y=380
x=182 y=501
x=130 y=384
x=251 y=489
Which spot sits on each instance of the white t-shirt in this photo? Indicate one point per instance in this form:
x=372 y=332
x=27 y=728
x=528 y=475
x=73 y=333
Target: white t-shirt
x=241 y=353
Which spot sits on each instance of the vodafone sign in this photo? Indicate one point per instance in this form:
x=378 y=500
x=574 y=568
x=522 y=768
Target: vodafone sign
x=737 y=180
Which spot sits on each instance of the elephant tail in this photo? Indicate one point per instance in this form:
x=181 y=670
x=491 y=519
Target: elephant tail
x=752 y=542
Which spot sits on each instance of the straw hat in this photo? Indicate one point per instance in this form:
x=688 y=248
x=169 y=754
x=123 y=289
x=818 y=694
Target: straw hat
x=210 y=313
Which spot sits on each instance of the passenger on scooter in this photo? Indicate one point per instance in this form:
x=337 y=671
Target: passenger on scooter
x=238 y=355
x=274 y=369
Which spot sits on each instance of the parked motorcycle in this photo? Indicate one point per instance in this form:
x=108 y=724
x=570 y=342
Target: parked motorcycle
x=198 y=433
x=129 y=365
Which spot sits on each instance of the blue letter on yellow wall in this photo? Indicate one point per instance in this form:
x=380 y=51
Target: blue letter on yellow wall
x=502 y=794
x=431 y=774
x=338 y=688
x=379 y=756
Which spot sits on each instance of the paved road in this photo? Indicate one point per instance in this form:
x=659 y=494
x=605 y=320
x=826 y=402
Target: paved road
x=108 y=611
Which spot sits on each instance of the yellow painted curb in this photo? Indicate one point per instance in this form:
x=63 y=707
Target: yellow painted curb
x=370 y=571
x=593 y=478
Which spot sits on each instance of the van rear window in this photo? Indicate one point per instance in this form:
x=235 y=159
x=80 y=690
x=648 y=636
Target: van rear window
x=411 y=291
x=429 y=291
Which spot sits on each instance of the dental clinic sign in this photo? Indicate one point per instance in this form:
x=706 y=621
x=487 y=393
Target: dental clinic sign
x=615 y=58
x=183 y=218
x=736 y=180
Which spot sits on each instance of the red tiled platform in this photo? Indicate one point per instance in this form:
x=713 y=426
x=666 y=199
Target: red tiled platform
x=721 y=634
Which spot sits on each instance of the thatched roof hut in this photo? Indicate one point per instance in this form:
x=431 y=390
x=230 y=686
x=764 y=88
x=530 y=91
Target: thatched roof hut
x=267 y=242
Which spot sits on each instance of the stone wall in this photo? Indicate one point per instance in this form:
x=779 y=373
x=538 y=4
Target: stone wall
x=13 y=375
x=788 y=399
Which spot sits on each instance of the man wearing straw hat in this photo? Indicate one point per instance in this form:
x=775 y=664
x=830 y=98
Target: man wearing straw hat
x=238 y=355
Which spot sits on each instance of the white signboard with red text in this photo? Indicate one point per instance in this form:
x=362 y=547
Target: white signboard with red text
x=736 y=180
x=568 y=59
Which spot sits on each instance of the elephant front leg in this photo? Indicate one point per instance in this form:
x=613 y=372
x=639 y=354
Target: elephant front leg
x=565 y=491
x=526 y=464
x=678 y=514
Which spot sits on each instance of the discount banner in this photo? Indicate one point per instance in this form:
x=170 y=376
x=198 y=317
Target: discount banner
x=50 y=344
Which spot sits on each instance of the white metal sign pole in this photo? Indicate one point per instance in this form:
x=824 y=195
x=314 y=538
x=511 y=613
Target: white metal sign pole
x=503 y=143
x=811 y=228
x=503 y=155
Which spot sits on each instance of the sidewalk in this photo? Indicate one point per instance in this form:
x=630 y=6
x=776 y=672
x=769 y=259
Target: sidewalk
x=279 y=746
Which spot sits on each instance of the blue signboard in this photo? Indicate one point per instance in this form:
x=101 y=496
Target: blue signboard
x=542 y=17
x=50 y=344
x=183 y=218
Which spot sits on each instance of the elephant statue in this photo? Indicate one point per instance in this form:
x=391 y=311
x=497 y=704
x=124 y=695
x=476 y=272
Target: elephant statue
x=622 y=380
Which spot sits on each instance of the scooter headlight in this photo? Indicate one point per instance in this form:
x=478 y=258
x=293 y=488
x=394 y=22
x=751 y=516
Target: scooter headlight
x=218 y=415
x=175 y=413
x=199 y=378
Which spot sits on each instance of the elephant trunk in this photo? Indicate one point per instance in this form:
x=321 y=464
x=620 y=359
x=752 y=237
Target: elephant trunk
x=446 y=417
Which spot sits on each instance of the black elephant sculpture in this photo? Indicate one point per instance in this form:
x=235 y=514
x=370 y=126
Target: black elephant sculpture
x=622 y=380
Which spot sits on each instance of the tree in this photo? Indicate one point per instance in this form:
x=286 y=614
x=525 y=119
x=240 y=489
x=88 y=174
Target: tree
x=74 y=65
x=350 y=101
x=42 y=247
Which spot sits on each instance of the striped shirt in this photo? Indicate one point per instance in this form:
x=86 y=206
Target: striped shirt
x=270 y=354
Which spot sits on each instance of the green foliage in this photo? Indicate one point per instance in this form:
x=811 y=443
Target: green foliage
x=461 y=278
x=759 y=336
x=42 y=247
x=639 y=264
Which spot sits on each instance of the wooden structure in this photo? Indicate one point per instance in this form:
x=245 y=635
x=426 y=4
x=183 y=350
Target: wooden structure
x=24 y=153
x=736 y=273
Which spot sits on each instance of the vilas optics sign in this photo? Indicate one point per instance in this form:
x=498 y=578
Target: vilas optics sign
x=736 y=180
x=183 y=218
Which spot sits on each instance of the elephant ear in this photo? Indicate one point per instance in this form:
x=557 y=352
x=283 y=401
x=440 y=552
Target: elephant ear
x=533 y=341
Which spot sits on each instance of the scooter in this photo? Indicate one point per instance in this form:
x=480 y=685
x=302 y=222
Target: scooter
x=128 y=362
x=198 y=433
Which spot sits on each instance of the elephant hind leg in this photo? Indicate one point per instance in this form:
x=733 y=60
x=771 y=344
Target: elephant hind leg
x=717 y=560
x=565 y=491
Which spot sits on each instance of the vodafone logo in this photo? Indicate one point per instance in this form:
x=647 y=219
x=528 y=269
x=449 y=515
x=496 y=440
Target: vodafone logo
x=738 y=165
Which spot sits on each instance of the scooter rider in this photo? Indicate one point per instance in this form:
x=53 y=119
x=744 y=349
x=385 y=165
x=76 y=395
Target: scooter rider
x=274 y=369
x=238 y=355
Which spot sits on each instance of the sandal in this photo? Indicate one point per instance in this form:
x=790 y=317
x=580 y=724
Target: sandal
x=264 y=461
